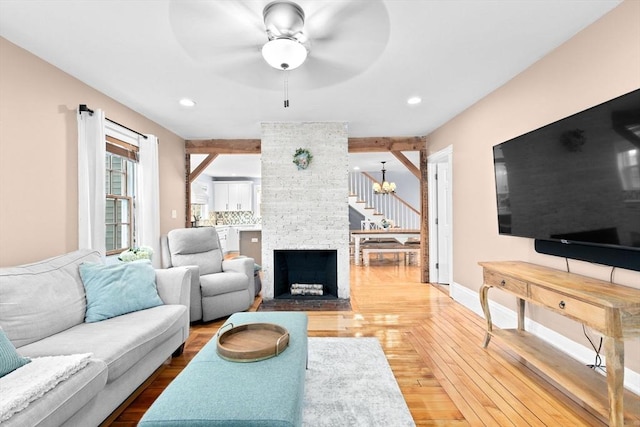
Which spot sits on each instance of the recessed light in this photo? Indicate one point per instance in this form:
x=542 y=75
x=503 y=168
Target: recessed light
x=356 y=168
x=414 y=100
x=186 y=102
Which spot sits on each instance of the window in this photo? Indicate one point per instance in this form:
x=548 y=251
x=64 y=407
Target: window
x=629 y=169
x=120 y=168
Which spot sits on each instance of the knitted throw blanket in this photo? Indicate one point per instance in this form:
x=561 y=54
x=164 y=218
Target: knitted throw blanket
x=31 y=381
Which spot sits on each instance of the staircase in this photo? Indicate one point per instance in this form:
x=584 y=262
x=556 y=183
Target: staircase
x=375 y=207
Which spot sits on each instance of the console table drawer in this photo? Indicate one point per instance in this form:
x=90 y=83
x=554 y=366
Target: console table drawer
x=515 y=286
x=590 y=314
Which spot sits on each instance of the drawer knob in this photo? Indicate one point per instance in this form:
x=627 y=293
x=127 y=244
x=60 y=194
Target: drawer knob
x=502 y=283
x=561 y=305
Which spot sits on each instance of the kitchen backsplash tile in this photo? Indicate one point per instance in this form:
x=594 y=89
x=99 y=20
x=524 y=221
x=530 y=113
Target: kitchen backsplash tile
x=233 y=218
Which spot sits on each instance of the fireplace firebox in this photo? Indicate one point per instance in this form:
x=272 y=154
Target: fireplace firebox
x=305 y=274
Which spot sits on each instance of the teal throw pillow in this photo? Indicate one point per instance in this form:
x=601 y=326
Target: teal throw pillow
x=10 y=360
x=116 y=289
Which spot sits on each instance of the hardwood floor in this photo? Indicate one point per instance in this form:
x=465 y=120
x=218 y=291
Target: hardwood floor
x=434 y=347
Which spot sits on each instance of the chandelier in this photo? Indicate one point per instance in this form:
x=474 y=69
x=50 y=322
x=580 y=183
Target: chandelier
x=385 y=187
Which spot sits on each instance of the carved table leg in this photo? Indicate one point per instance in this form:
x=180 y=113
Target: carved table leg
x=484 y=302
x=520 y=314
x=614 y=352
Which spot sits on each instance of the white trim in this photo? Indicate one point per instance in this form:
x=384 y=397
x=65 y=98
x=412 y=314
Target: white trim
x=119 y=132
x=443 y=156
x=433 y=243
x=506 y=318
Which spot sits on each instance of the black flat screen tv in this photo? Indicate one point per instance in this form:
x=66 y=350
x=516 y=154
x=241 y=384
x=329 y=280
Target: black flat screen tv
x=574 y=185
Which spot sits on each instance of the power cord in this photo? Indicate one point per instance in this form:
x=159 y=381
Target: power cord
x=597 y=364
x=598 y=361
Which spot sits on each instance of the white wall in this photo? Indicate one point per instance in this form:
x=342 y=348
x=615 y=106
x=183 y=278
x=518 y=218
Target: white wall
x=598 y=64
x=39 y=157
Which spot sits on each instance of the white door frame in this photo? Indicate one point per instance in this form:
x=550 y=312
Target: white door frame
x=443 y=156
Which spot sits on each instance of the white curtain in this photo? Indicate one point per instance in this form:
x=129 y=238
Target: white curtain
x=91 y=190
x=148 y=197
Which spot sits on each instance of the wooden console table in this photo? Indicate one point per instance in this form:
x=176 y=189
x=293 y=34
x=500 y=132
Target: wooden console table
x=613 y=310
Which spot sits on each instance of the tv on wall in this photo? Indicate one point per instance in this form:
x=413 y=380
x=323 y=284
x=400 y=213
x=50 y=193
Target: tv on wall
x=574 y=185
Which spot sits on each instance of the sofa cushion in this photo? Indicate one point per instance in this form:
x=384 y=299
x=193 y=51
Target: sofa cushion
x=117 y=289
x=222 y=283
x=196 y=246
x=10 y=360
x=120 y=341
x=40 y=299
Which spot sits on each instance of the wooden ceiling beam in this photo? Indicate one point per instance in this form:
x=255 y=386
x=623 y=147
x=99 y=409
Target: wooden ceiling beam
x=386 y=143
x=201 y=167
x=222 y=146
x=356 y=145
x=407 y=163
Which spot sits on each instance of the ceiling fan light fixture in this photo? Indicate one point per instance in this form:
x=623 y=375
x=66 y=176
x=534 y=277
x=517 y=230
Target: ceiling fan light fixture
x=283 y=19
x=284 y=53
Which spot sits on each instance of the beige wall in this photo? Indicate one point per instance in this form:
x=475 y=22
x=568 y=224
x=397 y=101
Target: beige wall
x=599 y=63
x=38 y=157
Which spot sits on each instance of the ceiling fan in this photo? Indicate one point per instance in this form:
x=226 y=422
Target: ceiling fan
x=327 y=41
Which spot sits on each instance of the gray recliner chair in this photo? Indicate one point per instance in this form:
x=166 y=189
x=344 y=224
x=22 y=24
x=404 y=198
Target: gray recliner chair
x=219 y=287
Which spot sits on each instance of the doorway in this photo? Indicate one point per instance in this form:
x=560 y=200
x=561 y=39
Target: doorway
x=439 y=169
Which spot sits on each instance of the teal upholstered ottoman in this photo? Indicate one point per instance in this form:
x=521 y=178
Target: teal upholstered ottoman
x=212 y=391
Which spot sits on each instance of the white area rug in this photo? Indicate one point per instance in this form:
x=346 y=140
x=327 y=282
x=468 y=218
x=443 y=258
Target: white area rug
x=33 y=380
x=349 y=383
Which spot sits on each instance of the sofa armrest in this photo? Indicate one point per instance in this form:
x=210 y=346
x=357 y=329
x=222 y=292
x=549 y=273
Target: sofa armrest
x=195 y=295
x=242 y=265
x=195 y=312
x=165 y=253
x=174 y=285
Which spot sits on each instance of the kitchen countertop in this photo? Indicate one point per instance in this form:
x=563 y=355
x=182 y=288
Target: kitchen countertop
x=243 y=227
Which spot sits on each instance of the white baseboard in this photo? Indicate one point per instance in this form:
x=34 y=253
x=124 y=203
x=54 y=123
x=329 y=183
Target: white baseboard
x=506 y=318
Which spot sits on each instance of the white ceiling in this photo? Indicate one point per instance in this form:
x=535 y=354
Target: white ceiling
x=366 y=58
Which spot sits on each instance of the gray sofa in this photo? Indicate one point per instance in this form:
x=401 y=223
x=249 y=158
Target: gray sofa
x=219 y=287
x=42 y=311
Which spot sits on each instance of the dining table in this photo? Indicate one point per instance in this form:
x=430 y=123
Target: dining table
x=399 y=234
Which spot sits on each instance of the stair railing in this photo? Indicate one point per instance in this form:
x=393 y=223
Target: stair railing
x=389 y=206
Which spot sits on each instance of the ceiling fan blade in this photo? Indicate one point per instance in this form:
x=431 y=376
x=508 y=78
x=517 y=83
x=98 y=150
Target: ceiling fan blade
x=207 y=29
x=317 y=72
x=340 y=45
x=343 y=19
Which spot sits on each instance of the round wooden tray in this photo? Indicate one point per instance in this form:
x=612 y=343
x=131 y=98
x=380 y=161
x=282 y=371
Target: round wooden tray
x=252 y=342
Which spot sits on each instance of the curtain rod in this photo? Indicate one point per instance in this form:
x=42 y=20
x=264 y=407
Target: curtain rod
x=83 y=108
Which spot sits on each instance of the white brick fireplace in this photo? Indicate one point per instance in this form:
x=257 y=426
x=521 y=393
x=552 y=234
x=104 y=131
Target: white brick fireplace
x=305 y=209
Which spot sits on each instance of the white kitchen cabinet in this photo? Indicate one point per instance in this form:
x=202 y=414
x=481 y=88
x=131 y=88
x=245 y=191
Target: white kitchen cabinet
x=240 y=195
x=220 y=196
x=233 y=239
x=223 y=234
x=232 y=196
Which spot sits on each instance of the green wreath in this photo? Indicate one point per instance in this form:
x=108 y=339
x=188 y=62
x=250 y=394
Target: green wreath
x=302 y=158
